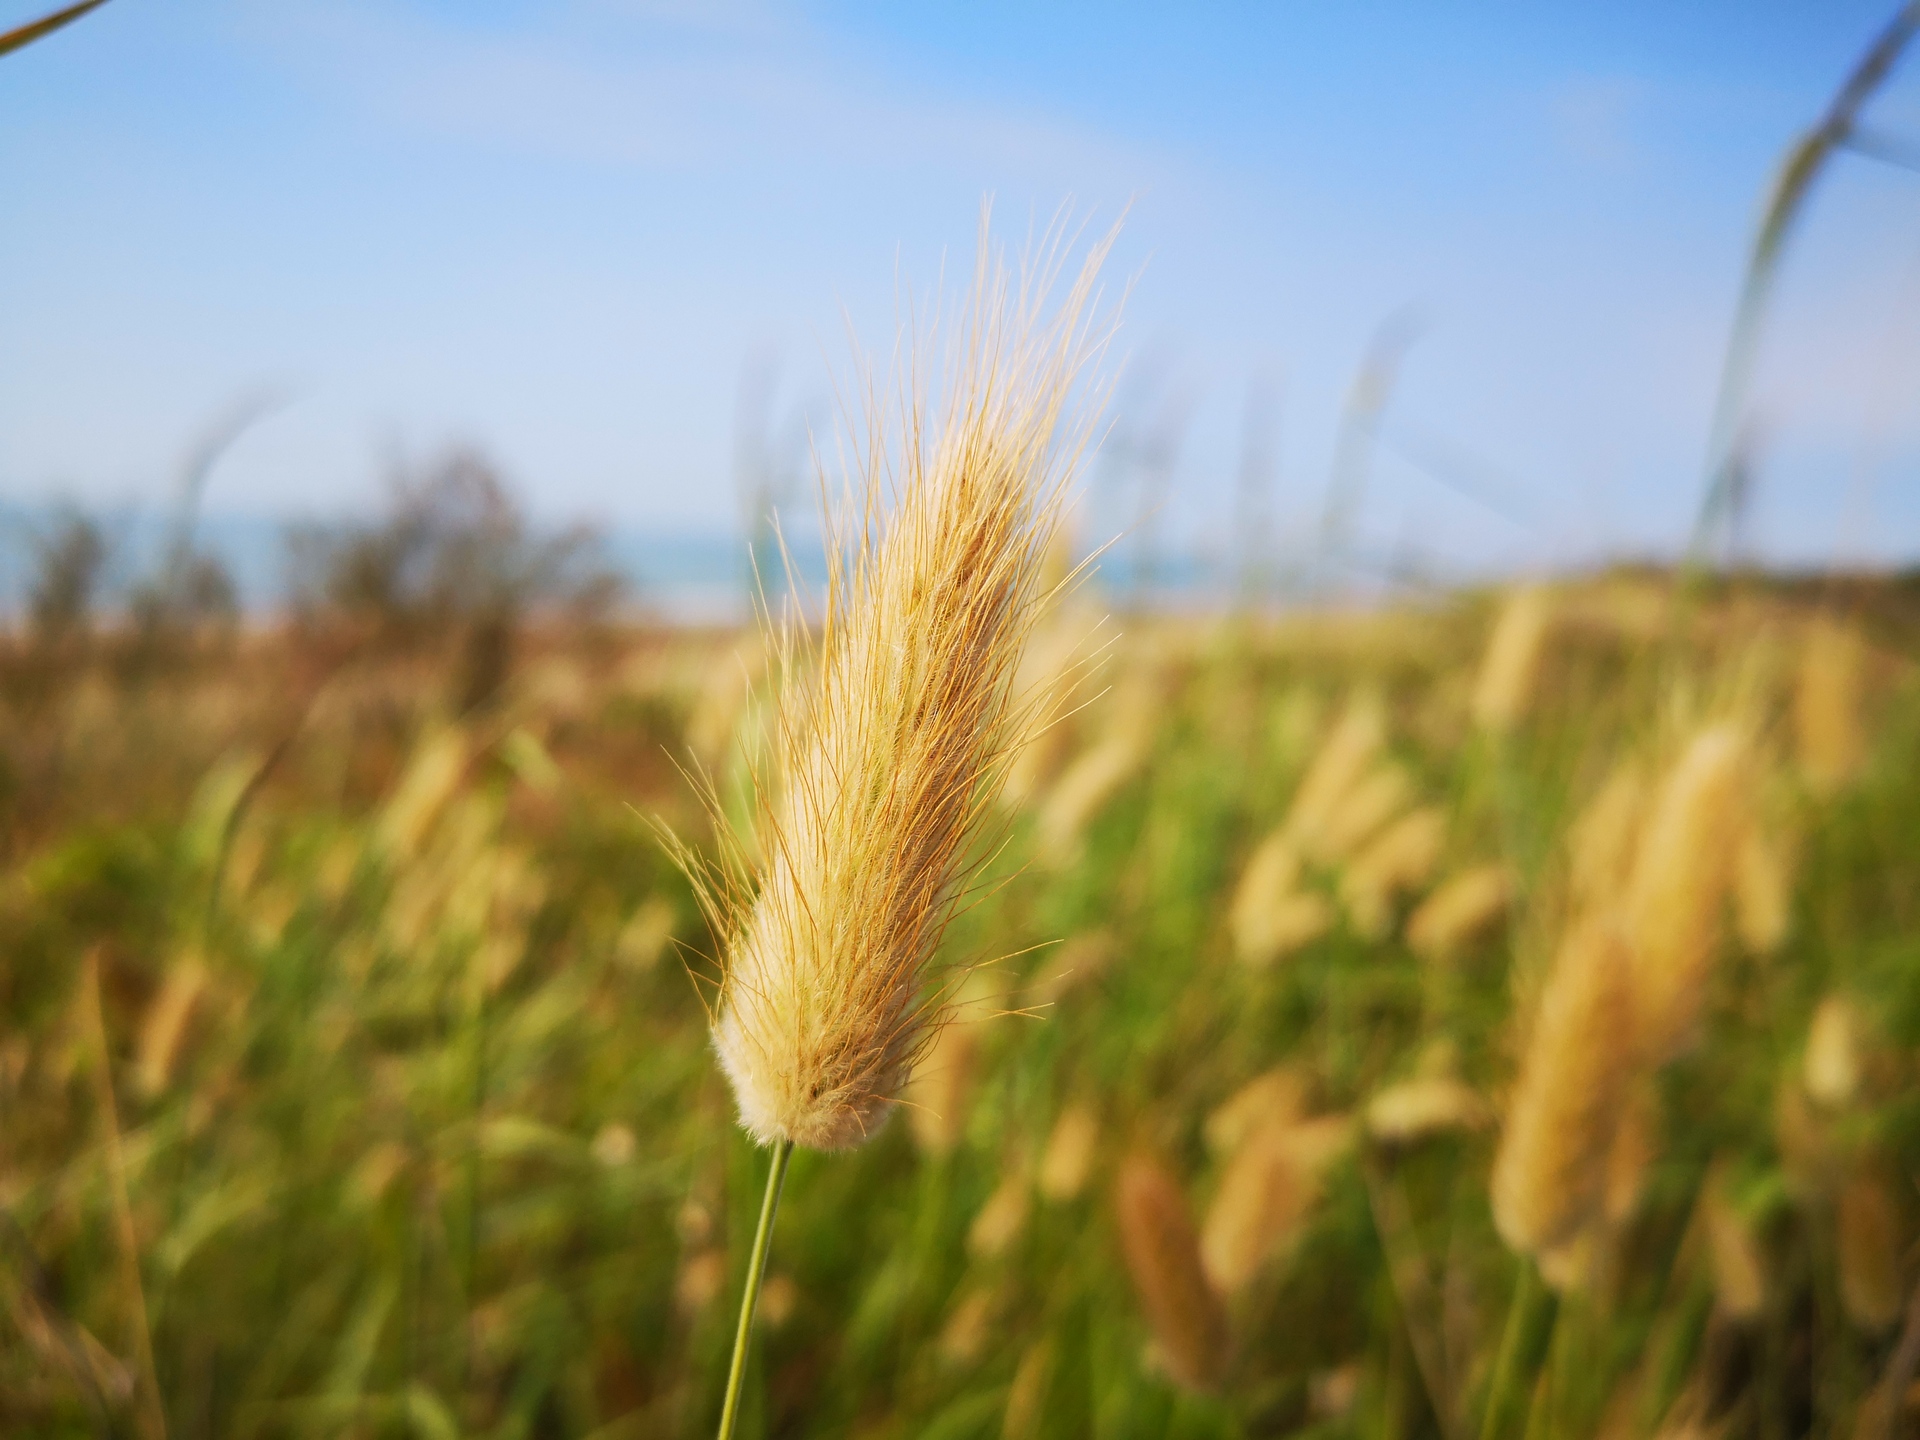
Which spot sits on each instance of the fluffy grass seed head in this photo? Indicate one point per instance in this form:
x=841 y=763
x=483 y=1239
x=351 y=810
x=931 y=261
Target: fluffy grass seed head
x=892 y=738
x=1464 y=907
x=1270 y=915
x=1827 y=705
x=1266 y=1192
x=1763 y=891
x=1343 y=759
x=1504 y=688
x=1681 y=882
x=1550 y=1170
x=1072 y=1146
x=1275 y=1097
x=1163 y=1257
x=1832 y=1067
x=1400 y=860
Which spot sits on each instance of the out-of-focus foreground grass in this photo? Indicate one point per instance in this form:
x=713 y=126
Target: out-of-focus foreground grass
x=353 y=1081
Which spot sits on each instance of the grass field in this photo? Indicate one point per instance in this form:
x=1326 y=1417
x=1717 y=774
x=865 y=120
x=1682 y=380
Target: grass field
x=355 y=1076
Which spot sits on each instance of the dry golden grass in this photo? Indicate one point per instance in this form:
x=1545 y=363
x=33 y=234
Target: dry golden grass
x=1460 y=909
x=1549 y=1173
x=894 y=732
x=1266 y=1191
x=1683 y=874
x=1828 y=698
x=1163 y=1257
x=1509 y=671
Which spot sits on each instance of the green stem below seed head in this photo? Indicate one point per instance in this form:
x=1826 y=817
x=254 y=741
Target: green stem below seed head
x=750 y=1298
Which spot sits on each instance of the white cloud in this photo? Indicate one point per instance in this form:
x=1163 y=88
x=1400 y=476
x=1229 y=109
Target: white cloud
x=674 y=85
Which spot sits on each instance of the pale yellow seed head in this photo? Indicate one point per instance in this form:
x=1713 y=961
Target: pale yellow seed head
x=1464 y=907
x=1829 y=692
x=1068 y=1158
x=1092 y=779
x=1423 y=1106
x=1503 y=690
x=1275 y=1097
x=940 y=1092
x=892 y=739
x=1002 y=1218
x=167 y=1023
x=963 y=1339
x=1601 y=843
x=1270 y=917
x=1266 y=1192
x=1291 y=925
x=1163 y=1258
x=1374 y=799
x=1636 y=1145
x=1550 y=1169
x=1400 y=860
x=1681 y=879
x=1027 y=1396
x=1763 y=891
x=1833 y=1064
x=1343 y=758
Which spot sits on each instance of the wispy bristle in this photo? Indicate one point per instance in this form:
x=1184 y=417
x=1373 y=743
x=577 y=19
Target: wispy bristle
x=895 y=734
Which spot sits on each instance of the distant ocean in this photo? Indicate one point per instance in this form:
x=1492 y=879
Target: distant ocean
x=686 y=577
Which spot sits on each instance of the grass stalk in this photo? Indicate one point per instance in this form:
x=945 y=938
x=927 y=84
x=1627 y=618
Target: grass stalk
x=152 y=1414
x=750 y=1296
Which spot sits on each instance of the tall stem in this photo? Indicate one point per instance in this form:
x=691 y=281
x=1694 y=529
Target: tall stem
x=756 y=1270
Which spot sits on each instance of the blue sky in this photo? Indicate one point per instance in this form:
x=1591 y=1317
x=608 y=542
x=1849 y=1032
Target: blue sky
x=565 y=231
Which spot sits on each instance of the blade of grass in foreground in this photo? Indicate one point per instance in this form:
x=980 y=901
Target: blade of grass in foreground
x=33 y=30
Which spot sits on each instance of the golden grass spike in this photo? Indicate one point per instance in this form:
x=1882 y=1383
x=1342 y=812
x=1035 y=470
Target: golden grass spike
x=1270 y=916
x=1601 y=842
x=1163 y=1257
x=1069 y=1155
x=1827 y=704
x=1464 y=907
x=890 y=744
x=1680 y=886
x=1361 y=812
x=1551 y=1167
x=1266 y=1192
x=1763 y=891
x=1278 y=1096
x=1503 y=690
x=1425 y=1105
x=1401 y=859
x=1635 y=1148
x=1002 y=1218
x=1832 y=1066
x=1343 y=758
